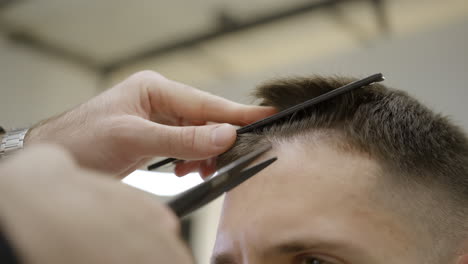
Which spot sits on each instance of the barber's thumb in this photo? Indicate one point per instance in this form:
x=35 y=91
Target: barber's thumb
x=195 y=142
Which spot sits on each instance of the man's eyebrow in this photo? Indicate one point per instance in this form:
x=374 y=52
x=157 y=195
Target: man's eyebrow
x=222 y=258
x=290 y=247
x=301 y=245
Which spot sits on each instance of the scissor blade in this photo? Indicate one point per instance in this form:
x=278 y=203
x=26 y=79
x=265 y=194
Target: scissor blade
x=241 y=163
x=245 y=175
x=208 y=191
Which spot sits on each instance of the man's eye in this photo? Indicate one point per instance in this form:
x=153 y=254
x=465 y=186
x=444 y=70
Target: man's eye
x=313 y=260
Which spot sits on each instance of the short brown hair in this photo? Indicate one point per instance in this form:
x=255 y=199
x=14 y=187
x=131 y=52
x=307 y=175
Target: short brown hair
x=405 y=137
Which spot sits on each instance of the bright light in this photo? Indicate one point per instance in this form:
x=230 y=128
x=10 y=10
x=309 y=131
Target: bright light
x=162 y=183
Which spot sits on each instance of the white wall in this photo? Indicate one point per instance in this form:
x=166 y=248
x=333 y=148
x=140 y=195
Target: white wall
x=34 y=86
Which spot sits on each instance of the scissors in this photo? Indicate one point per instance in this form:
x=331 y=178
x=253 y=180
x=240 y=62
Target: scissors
x=224 y=180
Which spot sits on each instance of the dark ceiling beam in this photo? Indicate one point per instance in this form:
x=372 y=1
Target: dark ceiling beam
x=381 y=16
x=361 y=34
x=228 y=26
x=6 y=3
x=26 y=39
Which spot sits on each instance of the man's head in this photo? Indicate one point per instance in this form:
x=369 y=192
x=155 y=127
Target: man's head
x=369 y=177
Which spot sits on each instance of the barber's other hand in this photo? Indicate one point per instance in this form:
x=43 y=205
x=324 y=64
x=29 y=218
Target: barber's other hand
x=144 y=116
x=54 y=212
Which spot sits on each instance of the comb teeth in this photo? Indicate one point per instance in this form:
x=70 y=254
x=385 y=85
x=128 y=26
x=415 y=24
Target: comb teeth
x=378 y=77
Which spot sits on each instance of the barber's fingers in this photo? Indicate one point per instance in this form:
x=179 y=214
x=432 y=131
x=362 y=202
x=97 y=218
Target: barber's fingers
x=189 y=142
x=180 y=100
x=204 y=167
x=185 y=167
x=194 y=104
x=207 y=167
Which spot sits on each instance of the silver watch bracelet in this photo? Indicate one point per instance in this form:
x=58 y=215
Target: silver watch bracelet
x=12 y=141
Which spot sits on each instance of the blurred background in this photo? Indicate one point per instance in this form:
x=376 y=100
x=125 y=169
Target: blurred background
x=55 y=54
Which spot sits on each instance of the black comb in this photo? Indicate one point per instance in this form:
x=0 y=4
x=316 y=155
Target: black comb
x=378 y=77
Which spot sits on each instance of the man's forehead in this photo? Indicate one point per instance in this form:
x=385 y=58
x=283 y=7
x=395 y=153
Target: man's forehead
x=305 y=171
x=305 y=181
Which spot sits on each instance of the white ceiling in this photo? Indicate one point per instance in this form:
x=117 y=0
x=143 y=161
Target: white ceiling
x=109 y=29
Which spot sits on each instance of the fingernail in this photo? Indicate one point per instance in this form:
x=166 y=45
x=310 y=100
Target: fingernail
x=222 y=135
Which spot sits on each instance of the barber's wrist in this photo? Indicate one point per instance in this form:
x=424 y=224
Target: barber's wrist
x=42 y=132
x=57 y=132
x=32 y=136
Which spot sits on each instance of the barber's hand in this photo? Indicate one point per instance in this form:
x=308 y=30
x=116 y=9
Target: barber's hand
x=54 y=212
x=146 y=115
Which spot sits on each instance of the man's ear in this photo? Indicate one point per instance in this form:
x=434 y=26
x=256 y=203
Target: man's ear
x=463 y=259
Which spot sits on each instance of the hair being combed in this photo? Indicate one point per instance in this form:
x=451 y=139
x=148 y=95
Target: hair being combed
x=405 y=137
